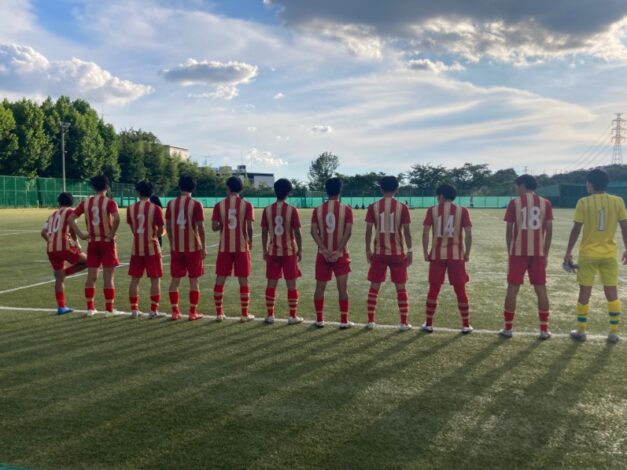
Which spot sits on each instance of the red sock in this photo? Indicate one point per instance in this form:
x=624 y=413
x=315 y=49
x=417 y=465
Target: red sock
x=402 y=300
x=462 y=304
x=194 y=300
x=509 y=319
x=270 y=299
x=343 y=310
x=372 y=304
x=218 y=297
x=319 y=307
x=60 y=299
x=134 y=300
x=292 y=300
x=544 y=320
x=432 y=303
x=154 y=302
x=90 y=293
x=174 y=302
x=244 y=299
x=109 y=295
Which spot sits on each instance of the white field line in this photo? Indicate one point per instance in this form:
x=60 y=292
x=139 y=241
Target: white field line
x=18 y=230
x=13 y=233
x=308 y=322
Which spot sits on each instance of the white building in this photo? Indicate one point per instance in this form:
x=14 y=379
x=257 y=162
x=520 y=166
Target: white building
x=180 y=152
x=256 y=179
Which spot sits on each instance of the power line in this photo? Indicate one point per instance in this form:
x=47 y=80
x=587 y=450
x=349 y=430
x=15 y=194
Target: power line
x=598 y=144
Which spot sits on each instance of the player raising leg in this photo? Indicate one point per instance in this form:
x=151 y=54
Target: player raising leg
x=102 y=220
x=331 y=227
x=599 y=214
x=450 y=251
x=62 y=247
x=146 y=222
x=528 y=236
x=390 y=220
x=282 y=251
x=186 y=233
x=233 y=218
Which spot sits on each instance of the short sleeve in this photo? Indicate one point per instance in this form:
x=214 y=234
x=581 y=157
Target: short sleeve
x=199 y=214
x=112 y=207
x=79 y=209
x=264 y=219
x=405 y=217
x=579 y=212
x=510 y=213
x=215 y=215
x=466 y=218
x=250 y=212
x=295 y=219
x=349 y=215
x=429 y=218
x=622 y=213
x=314 y=216
x=158 y=216
x=370 y=215
x=548 y=214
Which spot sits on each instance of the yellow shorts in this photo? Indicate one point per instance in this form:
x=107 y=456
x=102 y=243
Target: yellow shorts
x=588 y=267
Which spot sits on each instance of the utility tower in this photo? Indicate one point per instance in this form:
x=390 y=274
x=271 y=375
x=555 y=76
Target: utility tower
x=618 y=138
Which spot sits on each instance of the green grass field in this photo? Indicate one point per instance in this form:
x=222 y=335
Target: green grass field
x=118 y=393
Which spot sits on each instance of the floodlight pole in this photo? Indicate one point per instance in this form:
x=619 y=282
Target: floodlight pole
x=64 y=126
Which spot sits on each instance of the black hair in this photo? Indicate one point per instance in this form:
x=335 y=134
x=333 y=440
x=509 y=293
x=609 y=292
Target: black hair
x=333 y=186
x=187 y=183
x=65 y=200
x=156 y=201
x=100 y=183
x=144 y=188
x=528 y=181
x=447 y=191
x=234 y=184
x=282 y=188
x=388 y=184
x=599 y=179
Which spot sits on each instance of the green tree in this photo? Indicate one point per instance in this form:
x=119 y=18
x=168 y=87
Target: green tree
x=321 y=169
x=428 y=177
x=8 y=139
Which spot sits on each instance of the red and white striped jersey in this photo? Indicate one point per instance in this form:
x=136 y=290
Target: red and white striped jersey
x=59 y=237
x=184 y=213
x=447 y=221
x=233 y=213
x=332 y=217
x=280 y=219
x=99 y=211
x=529 y=215
x=388 y=217
x=146 y=220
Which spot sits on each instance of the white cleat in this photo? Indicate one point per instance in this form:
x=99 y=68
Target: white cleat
x=466 y=330
x=319 y=324
x=91 y=312
x=153 y=315
x=578 y=335
x=269 y=320
x=246 y=318
x=613 y=338
x=294 y=320
x=404 y=327
x=135 y=314
x=506 y=333
x=371 y=325
x=220 y=317
x=544 y=335
x=347 y=325
x=426 y=328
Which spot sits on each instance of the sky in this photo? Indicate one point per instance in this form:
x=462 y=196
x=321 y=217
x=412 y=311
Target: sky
x=383 y=85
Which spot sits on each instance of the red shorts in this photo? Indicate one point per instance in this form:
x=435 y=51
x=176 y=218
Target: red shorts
x=186 y=264
x=58 y=258
x=380 y=264
x=326 y=269
x=456 y=271
x=149 y=263
x=282 y=266
x=534 y=265
x=229 y=264
x=103 y=254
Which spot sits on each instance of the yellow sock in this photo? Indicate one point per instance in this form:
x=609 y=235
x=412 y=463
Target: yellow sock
x=582 y=316
x=613 y=309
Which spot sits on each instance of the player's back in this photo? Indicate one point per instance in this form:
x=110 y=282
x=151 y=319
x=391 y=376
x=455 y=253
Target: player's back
x=183 y=214
x=233 y=213
x=528 y=214
x=99 y=210
x=280 y=219
x=145 y=217
x=58 y=229
x=600 y=215
x=332 y=218
x=388 y=217
x=448 y=221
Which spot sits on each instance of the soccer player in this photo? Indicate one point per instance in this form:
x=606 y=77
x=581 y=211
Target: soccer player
x=331 y=227
x=233 y=218
x=146 y=222
x=599 y=214
x=451 y=230
x=102 y=220
x=186 y=233
x=528 y=236
x=282 y=250
x=62 y=248
x=390 y=220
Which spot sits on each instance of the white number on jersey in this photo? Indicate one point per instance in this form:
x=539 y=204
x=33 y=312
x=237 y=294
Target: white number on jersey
x=141 y=218
x=382 y=223
x=448 y=230
x=531 y=218
x=56 y=224
x=331 y=222
x=279 y=228
x=180 y=219
x=232 y=219
x=602 y=219
x=95 y=215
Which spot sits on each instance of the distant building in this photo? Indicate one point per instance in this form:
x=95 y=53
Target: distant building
x=180 y=152
x=256 y=179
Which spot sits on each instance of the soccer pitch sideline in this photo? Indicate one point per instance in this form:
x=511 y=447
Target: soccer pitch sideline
x=118 y=393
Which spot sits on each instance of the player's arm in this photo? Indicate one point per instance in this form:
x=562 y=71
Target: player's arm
x=467 y=242
x=623 y=229
x=249 y=232
x=409 y=256
x=572 y=240
x=74 y=227
x=315 y=234
x=264 y=241
x=216 y=225
x=368 y=242
x=114 y=227
x=169 y=230
x=200 y=227
x=44 y=232
x=299 y=243
x=426 y=231
x=509 y=227
x=348 y=232
x=548 y=237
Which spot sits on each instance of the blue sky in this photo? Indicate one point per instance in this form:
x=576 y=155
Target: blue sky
x=384 y=85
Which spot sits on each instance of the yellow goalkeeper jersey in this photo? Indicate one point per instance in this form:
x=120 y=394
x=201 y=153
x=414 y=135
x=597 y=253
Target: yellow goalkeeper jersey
x=599 y=214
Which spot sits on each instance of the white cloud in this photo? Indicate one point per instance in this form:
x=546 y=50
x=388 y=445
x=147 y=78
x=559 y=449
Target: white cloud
x=251 y=129
x=222 y=92
x=434 y=66
x=23 y=69
x=320 y=129
x=278 y=96
x=253 y=155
